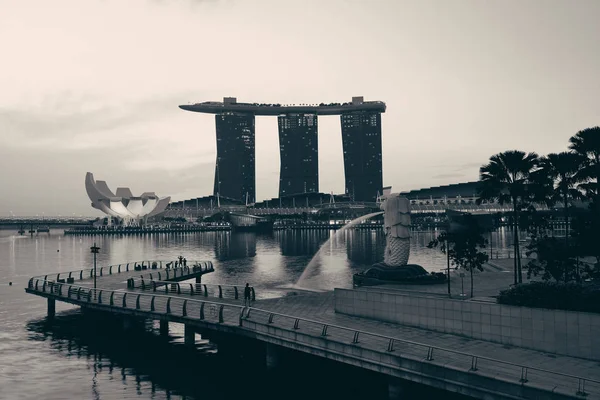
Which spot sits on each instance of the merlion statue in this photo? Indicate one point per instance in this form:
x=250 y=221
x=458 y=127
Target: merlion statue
x=395 y=268
x=396 y=223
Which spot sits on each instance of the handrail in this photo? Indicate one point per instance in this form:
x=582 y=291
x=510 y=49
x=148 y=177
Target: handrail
x=189 y=288
x=203 y=284
x=80 y=274
x=270 y=313
x=88 y=293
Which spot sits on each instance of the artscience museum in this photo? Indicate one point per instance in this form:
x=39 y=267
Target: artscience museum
x=123 y=205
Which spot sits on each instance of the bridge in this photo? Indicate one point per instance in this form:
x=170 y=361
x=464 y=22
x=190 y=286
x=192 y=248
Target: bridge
x=49 y=221
x=308 y=323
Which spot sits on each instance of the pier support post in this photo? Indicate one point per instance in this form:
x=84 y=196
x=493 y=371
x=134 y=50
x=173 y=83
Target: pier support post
x=396 y=389
x=51 y=307
x=164 y=328
x=198 y=278
x=128 y=323
x=189 y=335
x=131 y=323
x=272 y=356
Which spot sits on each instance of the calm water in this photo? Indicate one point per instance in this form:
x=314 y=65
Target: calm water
x=76 y=357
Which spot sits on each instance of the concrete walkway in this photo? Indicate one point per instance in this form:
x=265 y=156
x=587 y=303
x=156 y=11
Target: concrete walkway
x=320 y=307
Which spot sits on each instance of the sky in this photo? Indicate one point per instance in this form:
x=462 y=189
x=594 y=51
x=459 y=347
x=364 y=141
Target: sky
x=94 y=85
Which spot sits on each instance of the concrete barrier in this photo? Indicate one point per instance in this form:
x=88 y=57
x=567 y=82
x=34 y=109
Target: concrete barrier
x=569 y=333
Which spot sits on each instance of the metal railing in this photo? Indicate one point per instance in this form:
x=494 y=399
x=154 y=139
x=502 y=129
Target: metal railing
x=152 y=303
x=193 y=289
x=168 y=271
x=221 y=313
x=171 y=273
x=392 y=344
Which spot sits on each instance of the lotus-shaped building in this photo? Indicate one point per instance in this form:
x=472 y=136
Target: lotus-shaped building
x=123 y=204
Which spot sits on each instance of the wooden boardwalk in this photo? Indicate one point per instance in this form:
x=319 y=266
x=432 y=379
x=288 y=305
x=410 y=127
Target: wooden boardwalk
x=307 y=322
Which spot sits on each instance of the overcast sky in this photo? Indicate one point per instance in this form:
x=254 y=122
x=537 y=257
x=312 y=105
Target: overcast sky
x=94 y=85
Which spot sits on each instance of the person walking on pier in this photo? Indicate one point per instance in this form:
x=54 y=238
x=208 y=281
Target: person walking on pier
x=247 y=295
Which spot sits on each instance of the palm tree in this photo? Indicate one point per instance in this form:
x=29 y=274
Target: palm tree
x=586 y=143
x=557 y=182
x=507 y=179
x=559 y=175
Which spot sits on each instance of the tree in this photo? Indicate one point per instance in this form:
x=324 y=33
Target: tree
x=557 y=182
x=586 y=143
x=462 y=242
x=584 y=231
x=552 y=258
x=507 y=179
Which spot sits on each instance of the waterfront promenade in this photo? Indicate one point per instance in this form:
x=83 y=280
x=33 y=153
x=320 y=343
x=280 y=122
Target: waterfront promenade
x=307 y=322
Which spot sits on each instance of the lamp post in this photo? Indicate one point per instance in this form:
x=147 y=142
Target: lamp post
x=94 y=249
x=448 y=267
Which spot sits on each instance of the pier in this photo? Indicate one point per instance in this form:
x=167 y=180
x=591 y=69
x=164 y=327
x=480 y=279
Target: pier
x=309 y=323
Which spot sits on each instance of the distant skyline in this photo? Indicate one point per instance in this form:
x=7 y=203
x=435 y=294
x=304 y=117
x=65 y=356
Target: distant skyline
x=94 y=86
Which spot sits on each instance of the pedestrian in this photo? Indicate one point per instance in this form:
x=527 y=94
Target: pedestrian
x=247 y=295
x=184 y=262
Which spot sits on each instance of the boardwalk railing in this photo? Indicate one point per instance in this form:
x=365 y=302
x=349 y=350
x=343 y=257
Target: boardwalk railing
x=169 y=271
x=152 y=303
x=379 y=349
x=449 y=358
x=193 y=289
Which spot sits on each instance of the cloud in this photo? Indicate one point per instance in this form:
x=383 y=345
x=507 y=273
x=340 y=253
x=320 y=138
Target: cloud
x=68 y=123
x=79 y=97
x=458 y=166
x=185 y=1
x=150 y=160
x=448 y=176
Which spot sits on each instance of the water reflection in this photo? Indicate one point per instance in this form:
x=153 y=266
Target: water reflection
x=301 y=242
x=94 y=358
x=365 y=247
x=127 y=365
x=231 y=246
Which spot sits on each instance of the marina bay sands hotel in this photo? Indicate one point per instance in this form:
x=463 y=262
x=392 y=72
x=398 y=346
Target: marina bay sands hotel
x=235 y=175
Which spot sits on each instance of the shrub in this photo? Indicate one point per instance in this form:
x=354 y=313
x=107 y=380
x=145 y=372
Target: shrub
x=571 y=297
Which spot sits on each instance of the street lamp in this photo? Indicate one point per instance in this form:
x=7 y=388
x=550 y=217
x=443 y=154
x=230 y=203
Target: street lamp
x=448 y=267
x=95 y=249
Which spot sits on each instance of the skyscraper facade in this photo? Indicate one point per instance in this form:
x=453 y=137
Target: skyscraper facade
x=361 y=141
x=298 y=144
x=299 y=154
x=235 y=172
